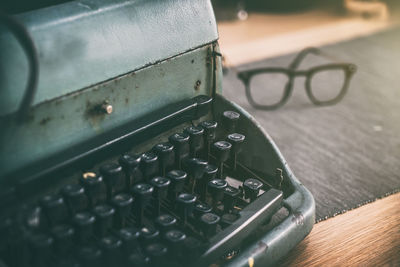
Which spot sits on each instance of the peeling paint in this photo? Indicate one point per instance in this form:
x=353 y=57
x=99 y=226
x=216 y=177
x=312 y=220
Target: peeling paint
x=298 y=218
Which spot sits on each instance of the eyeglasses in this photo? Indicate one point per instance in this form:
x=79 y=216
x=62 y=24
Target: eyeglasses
x=270 y=88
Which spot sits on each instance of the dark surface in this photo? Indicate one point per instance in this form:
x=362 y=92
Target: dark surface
x=347 y=154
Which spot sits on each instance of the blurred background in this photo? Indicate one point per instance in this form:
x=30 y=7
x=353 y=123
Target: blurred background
x=346 y=154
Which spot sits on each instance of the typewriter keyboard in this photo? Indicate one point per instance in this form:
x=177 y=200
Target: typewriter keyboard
x=186 y=200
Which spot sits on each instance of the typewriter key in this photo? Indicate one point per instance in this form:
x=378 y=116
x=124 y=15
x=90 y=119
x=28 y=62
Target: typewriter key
x=94 y=188
x=75 y=197
x=114 y=178
x=196 y=140
x=137 y=259
x=157 y=253
x=111 y=246
x=237 y=142
x=210 y=133
x=90 y=256
x=185 y=203
x=201 y=208
x=149 y=235
x=180 y=141
x=64 y=237
x=252 y=188
x=130 y=239
x=229 y=120
x=130 y=165
x=230 y=197
x=123 y=207
x=42 y=249
x=209 y=222
x=160 y=185
x=216 y=189
x=210 y=172
x=149 y=165
x=175 y=240
x=84 y=226
x=221 y=150
x=178 y=179
x=165 y=222
x=142 y=194
x=104 y=218
x=195 y=168
x=166 y=156
x=55 y=208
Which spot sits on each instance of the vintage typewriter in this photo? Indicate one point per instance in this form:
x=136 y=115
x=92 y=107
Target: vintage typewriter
x=128 y=154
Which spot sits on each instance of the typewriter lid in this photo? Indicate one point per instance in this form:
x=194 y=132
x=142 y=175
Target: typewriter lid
x=84 y=42
x=140 y=54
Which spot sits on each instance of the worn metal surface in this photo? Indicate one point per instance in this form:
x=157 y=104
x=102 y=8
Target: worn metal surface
x=59 y=124
x=263 y=155
x=84 y=42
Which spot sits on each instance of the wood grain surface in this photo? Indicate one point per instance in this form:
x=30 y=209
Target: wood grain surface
x=366 y=236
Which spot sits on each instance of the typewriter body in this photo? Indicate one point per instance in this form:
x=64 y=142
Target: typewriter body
x=130 y=155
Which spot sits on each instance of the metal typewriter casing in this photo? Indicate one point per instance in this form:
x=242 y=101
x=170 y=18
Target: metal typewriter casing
x=140 y=57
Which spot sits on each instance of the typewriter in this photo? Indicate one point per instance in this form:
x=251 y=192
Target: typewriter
x=128 y=154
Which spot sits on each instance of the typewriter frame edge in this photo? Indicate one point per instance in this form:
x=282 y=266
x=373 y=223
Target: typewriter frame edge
x=270 y=248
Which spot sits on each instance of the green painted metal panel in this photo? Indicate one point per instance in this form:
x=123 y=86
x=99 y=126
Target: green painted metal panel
x=84 y=42
x=58 y=124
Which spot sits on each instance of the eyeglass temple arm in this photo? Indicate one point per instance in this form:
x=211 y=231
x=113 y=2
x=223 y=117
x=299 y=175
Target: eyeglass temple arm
x=303 y=53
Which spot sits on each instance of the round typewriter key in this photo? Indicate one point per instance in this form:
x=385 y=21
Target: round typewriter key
x=94 y=187
x=216 y=189
x=178 y=179
x=55 y=208
x=64 y=237
x=149 y=165
x=84 y=225
x=42 y=249
x=123 y=206
x=210 y=172
x=111 y=246
x=113 y=177
x=229 y=120
x=175 y=239
x=142 y=194
x=201 y=208
x=221 y=150
x=75 y=197
x=252 y=188
x=136 y=259
x=90 y=256
x=209 y=222
x=210 y=129
x=130 y=164
x=130 y=239
x=196 y=141
x=161 y=185
x=210 y=134
x=237 y=141
x=104 y=218
x=180 y=141
x=165 y=222
x=157 y=253
x=166 y=156
x=149 y=235
x=230 y=196
x=185 y=203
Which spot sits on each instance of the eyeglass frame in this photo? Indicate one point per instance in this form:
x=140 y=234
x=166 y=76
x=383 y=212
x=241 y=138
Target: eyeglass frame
x=292 y=72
